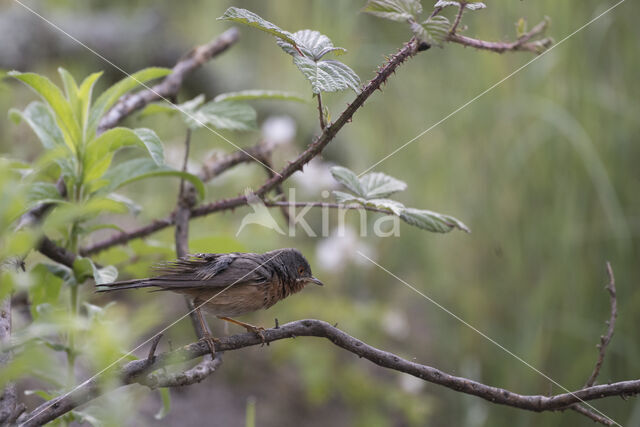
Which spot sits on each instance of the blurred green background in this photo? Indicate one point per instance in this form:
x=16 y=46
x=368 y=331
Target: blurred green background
x=543 y=169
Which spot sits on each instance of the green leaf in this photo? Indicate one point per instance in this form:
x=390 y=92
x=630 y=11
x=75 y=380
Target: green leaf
x=388 y=205
x=101 y=149
x=395 y=10
x=46 y=287
x=377 y=185
x=374 y=185
x=166 y=404
x=249 y=18
x=312 y=44
x=348 y=178
x=432 y=221
x=40 y=119
x=137 y=169
x=521 y=27
x=55 y=99
x=224 y=115
x=327 y=75
x=71 y=91
x=43 y=192
x=470 y=6
x=244 y=95
x=324 y=75
x=82 y=269
x=434 y=30
x=108 y=274
x=111 y=95
x=85 y=92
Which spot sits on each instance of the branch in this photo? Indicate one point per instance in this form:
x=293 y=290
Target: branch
x=132 y=372
x=9 y=406
x=353 y=206
x=522 y=44
x=313 y=149
x=606 y=339
x=170 y=86
x=56 y=253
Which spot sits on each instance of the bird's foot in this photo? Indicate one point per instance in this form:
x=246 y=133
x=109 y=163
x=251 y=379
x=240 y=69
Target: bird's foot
x=258 y=330
x=210 y=341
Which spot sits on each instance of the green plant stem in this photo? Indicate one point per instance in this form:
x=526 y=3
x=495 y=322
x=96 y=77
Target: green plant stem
x=71 y=351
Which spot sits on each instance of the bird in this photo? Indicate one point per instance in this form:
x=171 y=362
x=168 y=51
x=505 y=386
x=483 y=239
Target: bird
x=228 y=284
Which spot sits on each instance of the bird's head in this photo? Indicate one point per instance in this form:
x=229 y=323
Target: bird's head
x=297 y=267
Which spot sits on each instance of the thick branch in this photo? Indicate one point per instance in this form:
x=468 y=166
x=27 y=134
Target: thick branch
x=170 y=86
x=56 y=253
x=315 y=148
x=132 y=372
x=522 y=44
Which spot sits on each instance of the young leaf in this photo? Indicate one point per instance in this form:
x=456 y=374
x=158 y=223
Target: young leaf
x=327 y=75
x=470 y=6
x=249 y=18
x=348 y=178
x=436 y=29
x=312 y=44
x=324 y=75
x=377 y=185
x=53 y=96
x=111 y=95
x=40 y=119
x=374 y=185
x=387 y=205
x=100 y=151
x=395 y=10
x=244 y=95
x=108 y=274
x=136 y=169
x=82 y=269
x=432 y=221
x=43 y=192
x=224 y=115
x=71 y=91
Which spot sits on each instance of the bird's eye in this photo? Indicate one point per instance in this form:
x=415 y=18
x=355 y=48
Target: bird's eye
x=300 y=270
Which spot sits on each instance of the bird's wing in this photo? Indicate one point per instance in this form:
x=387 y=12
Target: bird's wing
x=211 y=270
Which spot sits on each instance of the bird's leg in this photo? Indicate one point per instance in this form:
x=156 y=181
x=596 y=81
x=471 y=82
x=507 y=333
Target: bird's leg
x=206 y=336
x=258 y=330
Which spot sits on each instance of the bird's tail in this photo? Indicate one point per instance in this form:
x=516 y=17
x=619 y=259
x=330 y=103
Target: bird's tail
x=125 y=284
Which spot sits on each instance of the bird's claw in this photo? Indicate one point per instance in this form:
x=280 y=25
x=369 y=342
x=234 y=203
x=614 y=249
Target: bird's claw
x=210 y=341
x=259 y=331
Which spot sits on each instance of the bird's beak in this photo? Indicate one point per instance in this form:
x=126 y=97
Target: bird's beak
x=316 y=281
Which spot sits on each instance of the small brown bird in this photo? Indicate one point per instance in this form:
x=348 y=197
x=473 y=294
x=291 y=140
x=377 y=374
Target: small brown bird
x=231 y=284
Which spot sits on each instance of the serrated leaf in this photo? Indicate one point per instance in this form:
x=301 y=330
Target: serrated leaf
x=388 y=205
x=348 y=178
x=137 y=169
x=244 y=95
x=432 y=221
x=377 y=185
x=229 y=115
x=470 y=6
x=312 y=44
x=395 y=10
x=251 y=19
x=111 y=95
x=327 y=75
x=342 y=197
x=40 y=119
x=436 y=28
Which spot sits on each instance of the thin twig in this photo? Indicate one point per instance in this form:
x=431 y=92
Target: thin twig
x=170 y=86
x=461 y=7
x=132 y=371
x=590 y=414
x=522 y=44
x=321 y=111
x=606 y=339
